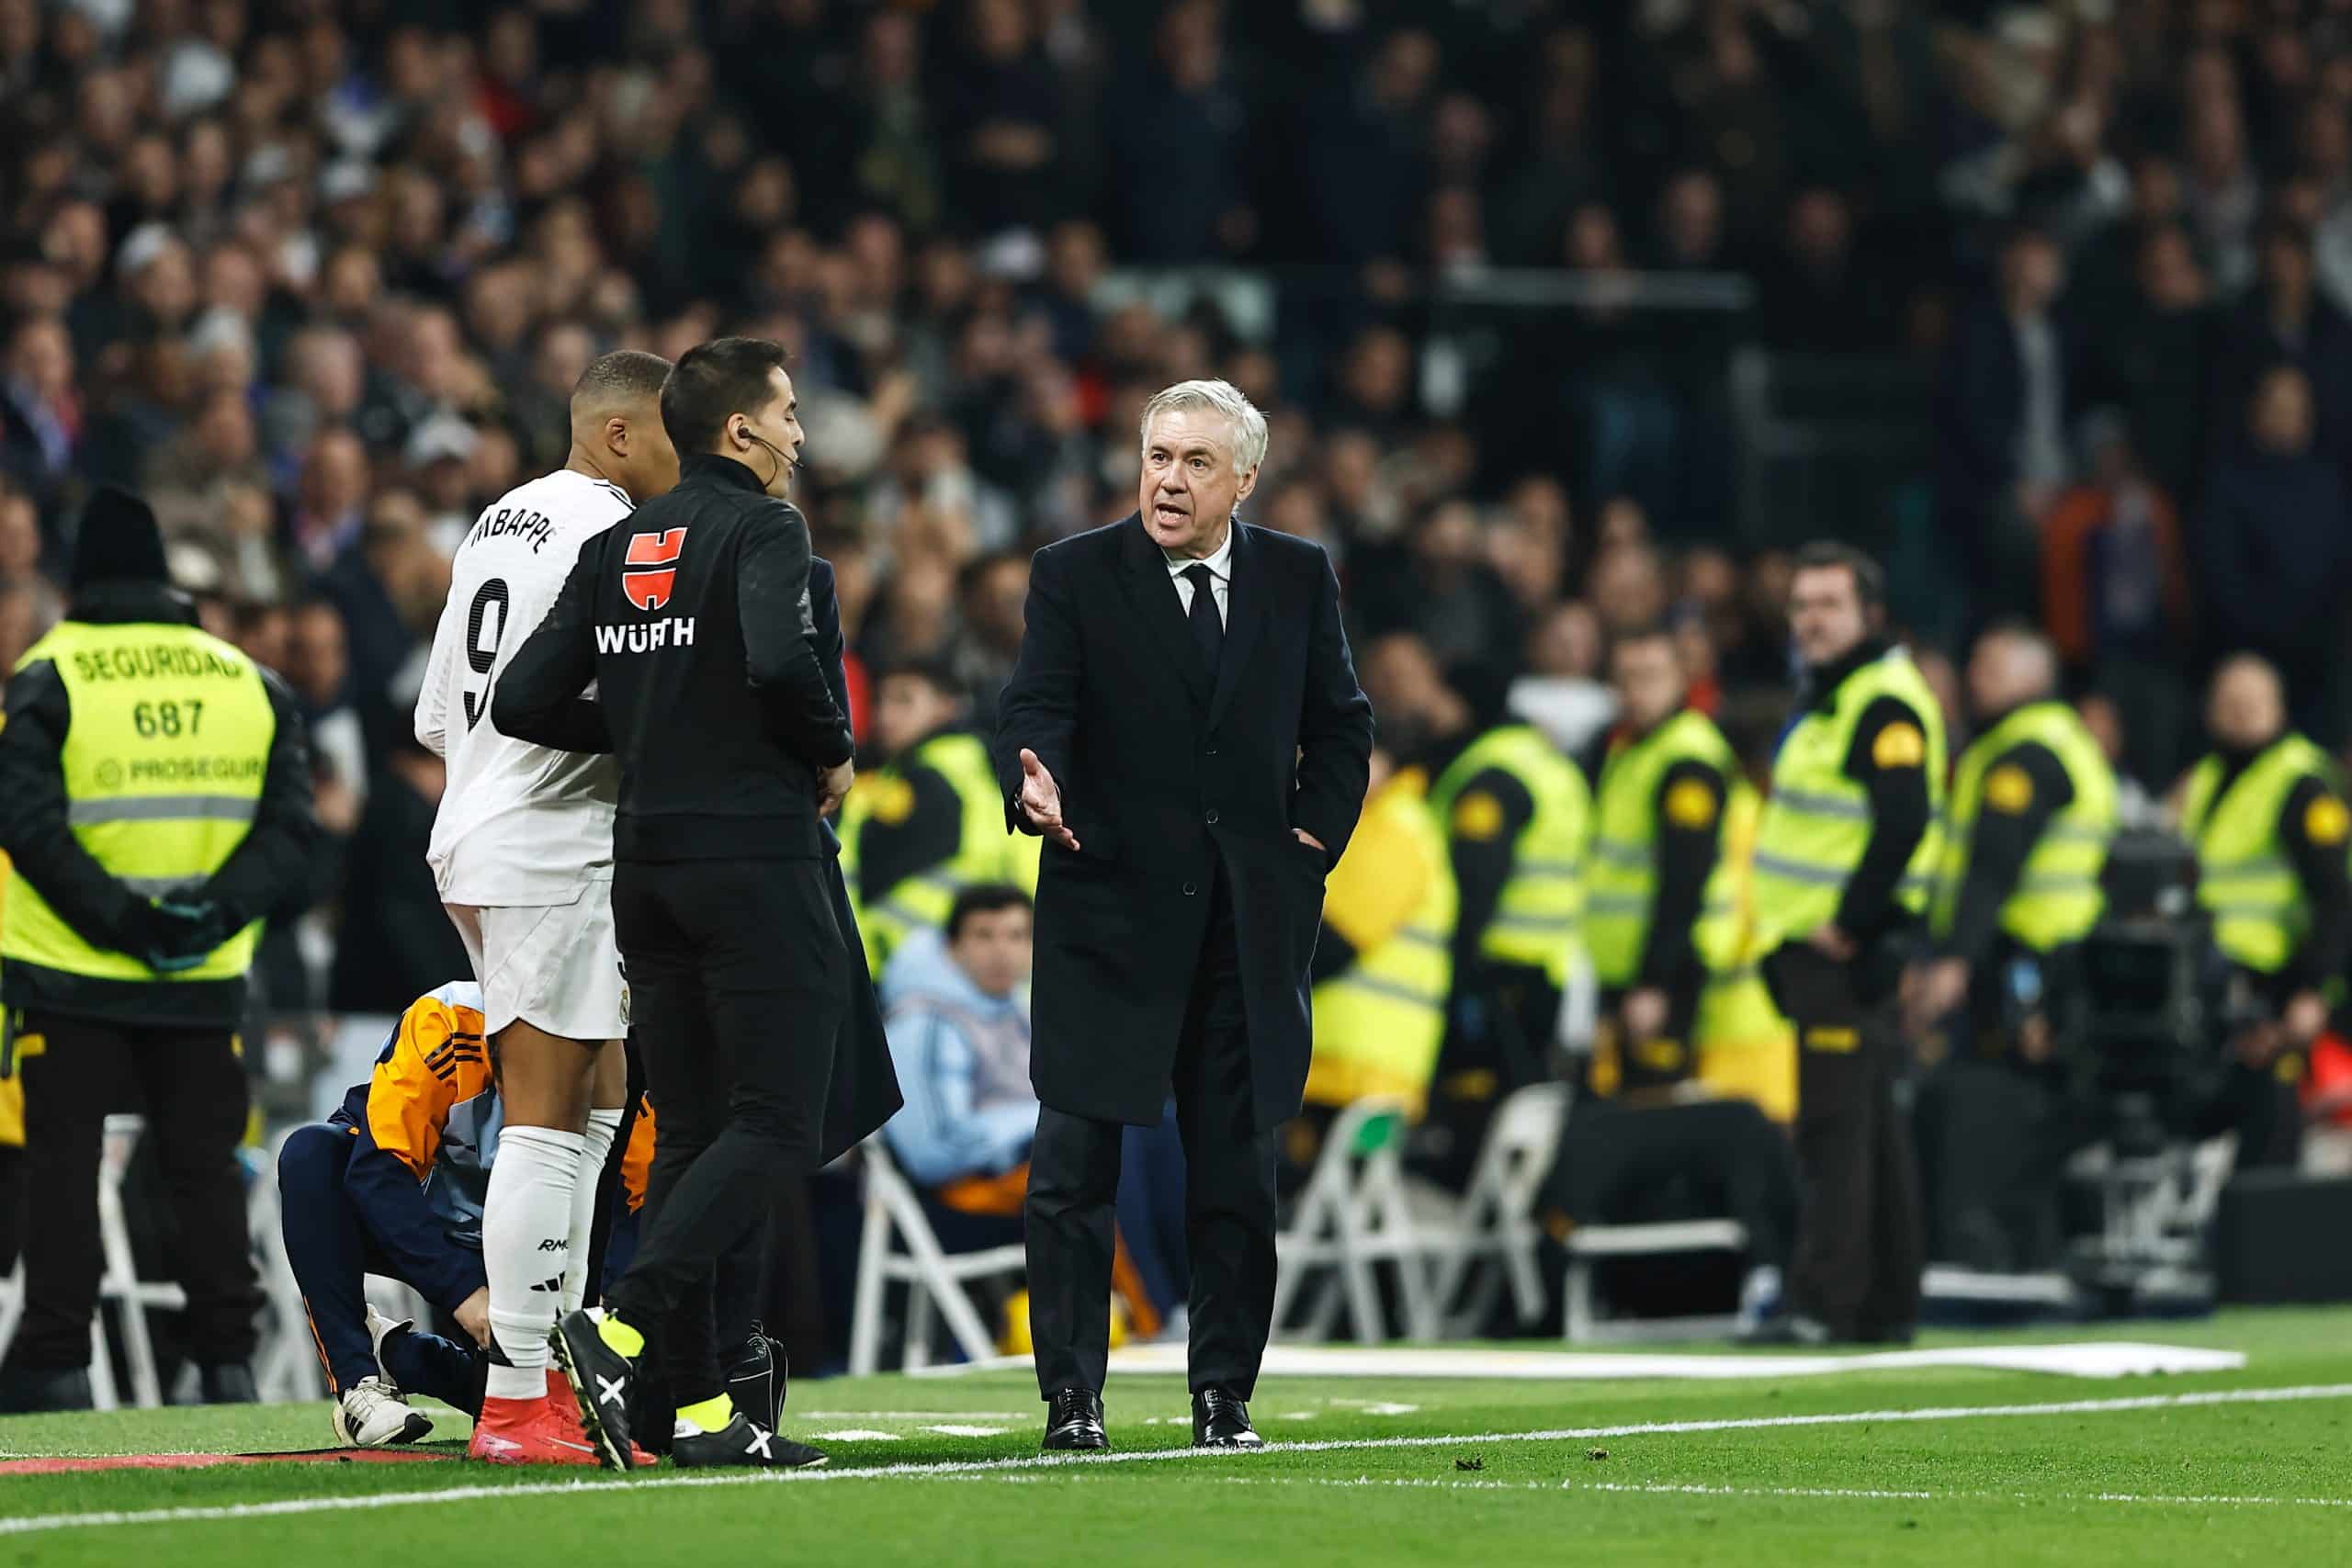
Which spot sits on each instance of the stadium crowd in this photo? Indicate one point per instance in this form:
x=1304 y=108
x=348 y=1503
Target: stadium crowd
x=318 y=280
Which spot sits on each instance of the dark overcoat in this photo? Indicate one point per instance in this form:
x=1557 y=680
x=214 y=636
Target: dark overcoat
x=1173 y=782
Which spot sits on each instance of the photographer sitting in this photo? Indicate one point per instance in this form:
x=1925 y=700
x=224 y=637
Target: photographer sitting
x=2266 y=817
x=2033 y=808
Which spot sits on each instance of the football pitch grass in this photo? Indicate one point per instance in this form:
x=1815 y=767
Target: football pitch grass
x=1915 y=1465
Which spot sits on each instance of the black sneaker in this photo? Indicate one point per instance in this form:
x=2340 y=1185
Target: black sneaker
x=600 y=1377
x=742 y=1441
x=758 y=1377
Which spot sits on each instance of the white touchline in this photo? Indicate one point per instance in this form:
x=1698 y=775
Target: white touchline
x=43 y=1523
x=1698 y=1489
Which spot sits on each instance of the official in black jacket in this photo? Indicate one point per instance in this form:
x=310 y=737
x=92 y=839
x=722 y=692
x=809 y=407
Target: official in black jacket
x=1184 y=729
x=694 y=618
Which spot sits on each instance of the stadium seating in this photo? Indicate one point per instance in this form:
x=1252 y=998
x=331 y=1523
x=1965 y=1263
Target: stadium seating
x=897 y=1244
x=1354 y=1214
x=1491 y=1236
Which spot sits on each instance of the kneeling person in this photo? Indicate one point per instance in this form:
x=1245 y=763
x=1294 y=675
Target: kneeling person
x=393 y=1184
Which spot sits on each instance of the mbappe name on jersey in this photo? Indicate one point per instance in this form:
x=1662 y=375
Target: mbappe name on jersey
x=508 y=520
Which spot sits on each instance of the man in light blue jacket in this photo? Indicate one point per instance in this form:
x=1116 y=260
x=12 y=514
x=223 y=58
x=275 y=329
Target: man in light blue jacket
x=954 y=1005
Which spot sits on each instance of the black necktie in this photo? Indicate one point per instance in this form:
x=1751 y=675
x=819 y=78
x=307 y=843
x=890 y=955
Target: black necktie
x=1208 y=627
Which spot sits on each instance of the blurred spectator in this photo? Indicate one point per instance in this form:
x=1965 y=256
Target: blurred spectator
x=2001 y=411
x=2285 y=320
x=1819 y=298
x=1562 y=693
x=2114 y=597
x=2273 y=549
x=2156 y=359
x=1178 y=135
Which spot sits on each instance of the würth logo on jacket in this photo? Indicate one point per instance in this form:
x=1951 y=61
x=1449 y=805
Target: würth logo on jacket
x=658 y=554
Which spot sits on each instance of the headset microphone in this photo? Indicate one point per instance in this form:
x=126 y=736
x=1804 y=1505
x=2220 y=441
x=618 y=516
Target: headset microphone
x=782 y=458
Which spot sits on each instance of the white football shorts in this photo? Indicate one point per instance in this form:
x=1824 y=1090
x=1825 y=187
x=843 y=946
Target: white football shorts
x=556 y=967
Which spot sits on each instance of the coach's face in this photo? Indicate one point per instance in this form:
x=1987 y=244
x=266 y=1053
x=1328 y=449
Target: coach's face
x=1189 y=485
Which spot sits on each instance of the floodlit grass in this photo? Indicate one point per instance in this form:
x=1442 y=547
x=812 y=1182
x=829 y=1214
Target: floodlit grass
x=2266 y=1482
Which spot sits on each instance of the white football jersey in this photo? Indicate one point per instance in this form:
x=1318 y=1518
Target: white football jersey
x=519 y=824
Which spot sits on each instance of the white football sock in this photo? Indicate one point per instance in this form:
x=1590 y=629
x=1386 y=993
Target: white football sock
x=603 y=1126
x=525 y=1243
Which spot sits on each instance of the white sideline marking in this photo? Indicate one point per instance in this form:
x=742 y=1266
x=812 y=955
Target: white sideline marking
x=967 y=1431
x=857 y=1435
x=46 y=1523
x=1038 y=1413
x=2105 y=1358
x=1695 y=1489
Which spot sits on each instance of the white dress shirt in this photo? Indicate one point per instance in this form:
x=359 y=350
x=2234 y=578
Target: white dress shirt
x=1220 y=565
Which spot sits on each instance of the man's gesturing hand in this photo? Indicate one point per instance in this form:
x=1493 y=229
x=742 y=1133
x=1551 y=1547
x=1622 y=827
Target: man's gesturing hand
x=1041 y=802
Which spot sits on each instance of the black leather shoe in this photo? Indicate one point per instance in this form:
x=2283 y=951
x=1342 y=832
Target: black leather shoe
x=1221 y=1421
x=1074 y=1422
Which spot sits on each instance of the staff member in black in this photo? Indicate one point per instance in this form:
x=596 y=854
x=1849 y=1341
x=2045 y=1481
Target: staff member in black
x=1184 y=729
x=693 y=618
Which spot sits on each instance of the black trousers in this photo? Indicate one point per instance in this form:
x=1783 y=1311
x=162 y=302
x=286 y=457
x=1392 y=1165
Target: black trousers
x=737 y=984
x=1858 y=1249
x=190 y=1085
x=1228 y=1201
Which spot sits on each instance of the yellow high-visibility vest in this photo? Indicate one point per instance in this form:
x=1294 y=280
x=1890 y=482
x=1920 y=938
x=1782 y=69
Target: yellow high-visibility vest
x=985 y=852
x=1817 y=820
x=2243 y=877
x=1621 y=885
x=1538 y=920
x=2057 y=899
x=163 y=764
x=1378 y=1025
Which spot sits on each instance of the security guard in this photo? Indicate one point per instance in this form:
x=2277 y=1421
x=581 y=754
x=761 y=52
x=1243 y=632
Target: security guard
x=2265 y=812
x=1647 y=1140
x=1516 y=813
x=1657 y=816
x=2033 y=807
x=917 y=831
x=1382 y=965
x=1845 y=854
x=155 y=800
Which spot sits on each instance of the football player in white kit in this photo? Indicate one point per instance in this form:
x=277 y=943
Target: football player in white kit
x=523 y=851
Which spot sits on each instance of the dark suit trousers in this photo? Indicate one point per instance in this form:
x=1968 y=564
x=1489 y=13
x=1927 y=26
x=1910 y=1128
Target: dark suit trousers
x=1858 y=1249
x=738 y=983
x=1228 y=1200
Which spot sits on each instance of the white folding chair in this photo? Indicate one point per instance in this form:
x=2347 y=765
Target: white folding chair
x=1352 y=1215
x=1494 y=1237
x=120 y=1282
x=897 y=1244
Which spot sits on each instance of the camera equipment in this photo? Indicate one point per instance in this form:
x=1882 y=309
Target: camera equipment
x=2144 y=1042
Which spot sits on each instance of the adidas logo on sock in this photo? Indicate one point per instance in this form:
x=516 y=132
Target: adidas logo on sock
x=554 y=1286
